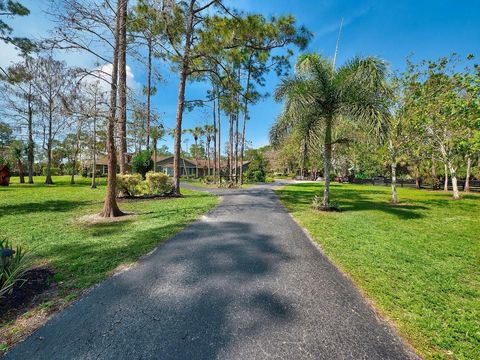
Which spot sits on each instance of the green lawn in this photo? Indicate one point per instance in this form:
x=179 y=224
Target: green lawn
x=418 y=261
x=45 y=220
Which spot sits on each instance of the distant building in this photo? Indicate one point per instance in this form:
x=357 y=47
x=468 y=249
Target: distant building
x=188 y=167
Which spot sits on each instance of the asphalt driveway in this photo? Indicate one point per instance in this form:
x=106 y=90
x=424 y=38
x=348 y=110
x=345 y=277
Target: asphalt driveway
x=244 y=282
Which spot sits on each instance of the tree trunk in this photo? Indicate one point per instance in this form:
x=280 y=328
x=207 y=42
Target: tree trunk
x=230 y=149
x=434 y=169
x=466 y=187
x=327 y=155
x=122 y=84
x=155 y=156
x=236 y=147
x=445 y=185
x=94 y=173
x=48 y=179
x=214 y=138
x=110 y=207
x=196 y=158
x=208 y=155
x=72 y=178
x=30 y=145
x=219 y=151
x=453 y=175
x=394 y=174
x=181 y=102
x=21 y=171
x=244 y=125
x=149 y=90
x=417 y=176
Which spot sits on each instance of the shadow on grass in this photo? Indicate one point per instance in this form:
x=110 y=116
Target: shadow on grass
x=355 y=200
x=45 y=206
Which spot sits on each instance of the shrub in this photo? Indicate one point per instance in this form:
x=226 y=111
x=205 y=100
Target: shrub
x=129 y=184
x=317 y=204
x=158 y=183
x=431 y=181
x=53 y=171
x=13 y=265
x=142 y=163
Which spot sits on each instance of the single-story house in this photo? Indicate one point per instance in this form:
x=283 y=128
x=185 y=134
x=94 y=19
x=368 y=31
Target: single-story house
x=164 y=164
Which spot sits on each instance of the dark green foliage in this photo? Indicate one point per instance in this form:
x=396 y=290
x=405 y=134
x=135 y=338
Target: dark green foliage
x=142 y=163
x=12 y=8
x=13 y=264
x=257 y=169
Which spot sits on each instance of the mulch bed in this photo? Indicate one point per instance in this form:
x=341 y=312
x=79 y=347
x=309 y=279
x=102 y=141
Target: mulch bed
x=25 y=294
x=148 y=197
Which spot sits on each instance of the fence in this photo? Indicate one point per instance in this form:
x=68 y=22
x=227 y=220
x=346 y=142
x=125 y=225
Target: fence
x=411 y=183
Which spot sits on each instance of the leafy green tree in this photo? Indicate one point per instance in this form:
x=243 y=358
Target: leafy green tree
x=318 y=95
x=142 y=163
x=257 y=168
x=18 y=98
x=197 y=133
x=11 y=8
x=438 y=107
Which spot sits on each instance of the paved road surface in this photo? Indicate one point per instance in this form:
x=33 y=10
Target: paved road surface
x=242 y=283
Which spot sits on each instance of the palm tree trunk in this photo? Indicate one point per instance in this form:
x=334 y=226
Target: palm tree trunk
x=196 y=158
x=122 y=87
x=466 y=187
x=208 y=156
x=327 y=155
x=110 y=207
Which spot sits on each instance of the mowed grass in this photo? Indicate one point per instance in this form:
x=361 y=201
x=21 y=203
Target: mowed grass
x=418 y=261
x=45 y=220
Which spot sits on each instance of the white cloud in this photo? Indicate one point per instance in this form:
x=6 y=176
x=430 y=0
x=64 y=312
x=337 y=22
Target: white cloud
x=103 y=74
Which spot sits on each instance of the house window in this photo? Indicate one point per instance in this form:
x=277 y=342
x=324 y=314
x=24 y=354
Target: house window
x=104 y=169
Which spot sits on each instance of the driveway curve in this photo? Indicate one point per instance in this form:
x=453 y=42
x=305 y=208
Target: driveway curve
x=243 y=282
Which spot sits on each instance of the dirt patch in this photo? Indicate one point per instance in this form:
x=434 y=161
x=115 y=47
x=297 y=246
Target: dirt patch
x=97 y=219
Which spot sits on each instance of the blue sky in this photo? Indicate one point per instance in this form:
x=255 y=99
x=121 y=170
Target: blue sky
x=392 y=30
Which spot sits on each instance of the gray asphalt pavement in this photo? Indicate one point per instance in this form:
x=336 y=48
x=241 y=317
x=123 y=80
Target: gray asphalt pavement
x=244 y=282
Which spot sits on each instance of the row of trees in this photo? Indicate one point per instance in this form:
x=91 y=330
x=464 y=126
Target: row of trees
x=206 y=41
x=372 y=123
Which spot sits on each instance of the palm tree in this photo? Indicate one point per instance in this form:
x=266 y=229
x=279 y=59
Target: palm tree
x=196 y=132
x=319 y=95
x=209 y=130
x=156 y=133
